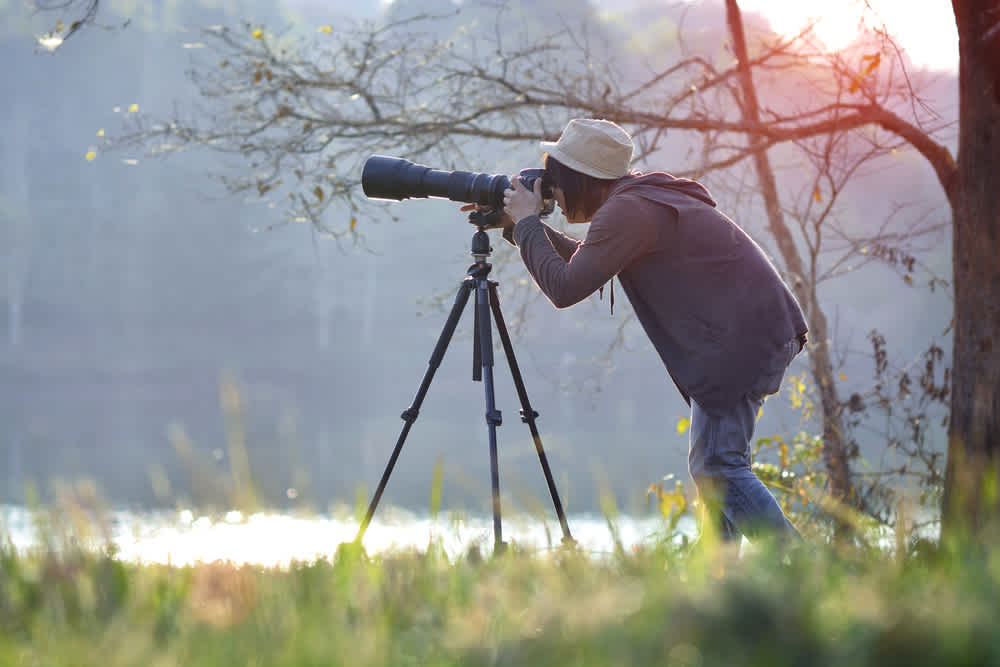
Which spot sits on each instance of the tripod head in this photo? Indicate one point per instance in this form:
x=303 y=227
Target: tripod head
x=483 y=220
x=488 y=219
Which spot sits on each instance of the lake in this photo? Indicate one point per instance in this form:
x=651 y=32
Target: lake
x=182 y=537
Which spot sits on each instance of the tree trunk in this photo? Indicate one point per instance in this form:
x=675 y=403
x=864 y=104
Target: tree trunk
x=835 y=454
x=836 y=457
x=971 y=483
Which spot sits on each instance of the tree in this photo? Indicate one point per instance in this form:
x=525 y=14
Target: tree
x=835 y=451
x=971 y=496
x=423 y=84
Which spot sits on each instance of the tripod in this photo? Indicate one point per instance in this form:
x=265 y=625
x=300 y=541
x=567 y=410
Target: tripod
x=486 y=303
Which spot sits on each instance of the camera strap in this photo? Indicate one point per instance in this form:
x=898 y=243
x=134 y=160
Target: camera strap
x=611 y=294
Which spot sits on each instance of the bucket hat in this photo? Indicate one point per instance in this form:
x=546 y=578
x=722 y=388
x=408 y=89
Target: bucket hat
x=595 y=147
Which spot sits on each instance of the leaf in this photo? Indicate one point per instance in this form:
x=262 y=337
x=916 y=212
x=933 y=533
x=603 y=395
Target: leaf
x=318 y=191
x=843 y=377
x=354 y=223
x=257 y=33
x=91 y=154
x=682 y=425
x=908 y=279
x=100 y=132
x=817 y=195
x=873 y=61
x=134 y=108
x=325 y=29
x=256 y=76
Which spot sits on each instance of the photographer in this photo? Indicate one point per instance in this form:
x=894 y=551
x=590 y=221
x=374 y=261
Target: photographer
x=722 y=320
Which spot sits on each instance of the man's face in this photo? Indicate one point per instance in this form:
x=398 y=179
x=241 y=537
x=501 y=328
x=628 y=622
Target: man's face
x=561 y=201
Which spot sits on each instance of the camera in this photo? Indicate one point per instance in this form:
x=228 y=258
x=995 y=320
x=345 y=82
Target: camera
x=385 y=177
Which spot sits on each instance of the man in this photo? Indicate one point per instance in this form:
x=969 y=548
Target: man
x=722 y=320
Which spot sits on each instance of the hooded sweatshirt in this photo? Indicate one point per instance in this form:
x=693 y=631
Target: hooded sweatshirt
x=711 y=302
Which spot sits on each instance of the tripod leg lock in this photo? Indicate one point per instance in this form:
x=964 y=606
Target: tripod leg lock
x=528 y=416
x=409 y=415
x=494 y=417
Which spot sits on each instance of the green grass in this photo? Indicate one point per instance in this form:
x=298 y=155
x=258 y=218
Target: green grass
x=662 y=605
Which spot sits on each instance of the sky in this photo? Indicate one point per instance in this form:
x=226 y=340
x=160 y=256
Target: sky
x=924 y=28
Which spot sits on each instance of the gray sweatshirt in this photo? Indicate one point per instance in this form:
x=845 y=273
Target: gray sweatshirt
x=709 y=299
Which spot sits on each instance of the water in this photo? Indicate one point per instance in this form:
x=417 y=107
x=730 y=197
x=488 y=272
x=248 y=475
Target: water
x=275 y=539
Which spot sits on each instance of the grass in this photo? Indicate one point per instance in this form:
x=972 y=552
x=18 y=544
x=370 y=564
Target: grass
x=662 y=605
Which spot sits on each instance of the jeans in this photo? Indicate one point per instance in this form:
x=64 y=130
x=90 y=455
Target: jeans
x=735 y=499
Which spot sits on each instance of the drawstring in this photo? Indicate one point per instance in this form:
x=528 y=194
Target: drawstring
x=611 y=290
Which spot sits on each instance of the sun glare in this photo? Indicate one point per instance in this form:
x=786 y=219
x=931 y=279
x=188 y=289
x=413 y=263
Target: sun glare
x=928 y=35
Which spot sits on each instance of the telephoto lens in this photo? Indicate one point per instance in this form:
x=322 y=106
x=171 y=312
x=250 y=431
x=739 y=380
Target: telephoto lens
x=385 y=177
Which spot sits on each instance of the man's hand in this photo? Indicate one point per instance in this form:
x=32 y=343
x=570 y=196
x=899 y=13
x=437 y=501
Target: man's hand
x=520 y=202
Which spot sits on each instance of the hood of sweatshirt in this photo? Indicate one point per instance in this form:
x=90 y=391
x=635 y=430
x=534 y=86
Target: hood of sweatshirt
x=640 y=182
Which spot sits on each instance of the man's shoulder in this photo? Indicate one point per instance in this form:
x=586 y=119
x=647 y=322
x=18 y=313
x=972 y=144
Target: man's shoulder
x=633 y=205
x=632 y=215
x=625 y=198
x=627 y=204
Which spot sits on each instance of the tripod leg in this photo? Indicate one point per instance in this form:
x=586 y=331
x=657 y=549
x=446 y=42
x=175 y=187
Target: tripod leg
x=484 y=343
x=410 y=414
x=528 y=415
x=477 y=354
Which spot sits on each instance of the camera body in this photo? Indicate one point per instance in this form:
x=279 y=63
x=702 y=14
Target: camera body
x=385 y=177
x=528 y=178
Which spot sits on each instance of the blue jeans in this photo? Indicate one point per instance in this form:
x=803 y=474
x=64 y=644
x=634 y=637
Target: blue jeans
x=734 y=498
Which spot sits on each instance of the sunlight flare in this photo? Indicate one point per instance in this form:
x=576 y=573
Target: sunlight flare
x=928 y=36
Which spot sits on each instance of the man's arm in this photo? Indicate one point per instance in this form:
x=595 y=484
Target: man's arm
x=563 y=244
x=619 y=233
